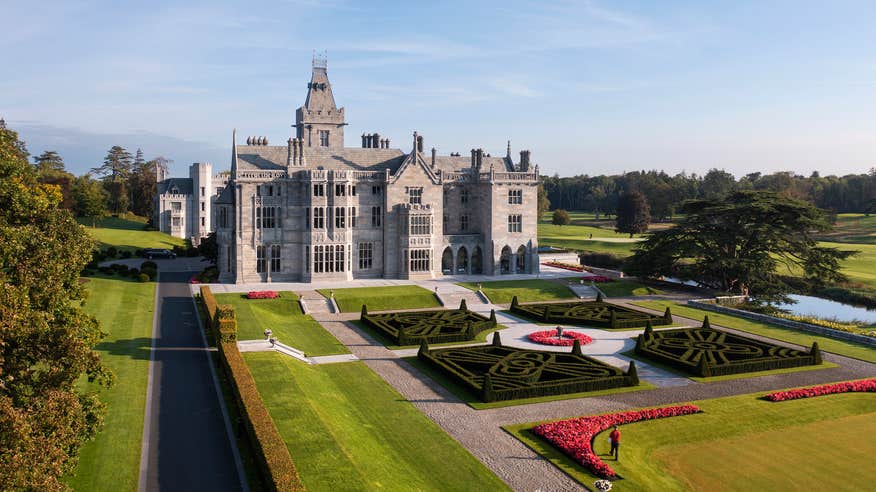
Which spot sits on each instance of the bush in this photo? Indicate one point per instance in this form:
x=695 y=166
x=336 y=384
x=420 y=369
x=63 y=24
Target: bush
x=151 y=272
x=588 y=313
x=226 y=324
x=126 y=254
x=149 y=264
x=142 y=277
x=112 y=252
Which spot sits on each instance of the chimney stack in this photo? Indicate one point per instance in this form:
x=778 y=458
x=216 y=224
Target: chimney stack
x=524 y=161
x=420 y=143
x=289 y=160
x=434 y=152
x=387 y=143
x=474 y=159
x=375 y=143
x=480 y=158
x=363 y=140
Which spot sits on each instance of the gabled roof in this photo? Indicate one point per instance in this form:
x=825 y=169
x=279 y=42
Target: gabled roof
x=183 y=186
x=226 y=196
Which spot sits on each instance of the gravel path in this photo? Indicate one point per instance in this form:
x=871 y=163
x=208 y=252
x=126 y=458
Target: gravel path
x=479 y=431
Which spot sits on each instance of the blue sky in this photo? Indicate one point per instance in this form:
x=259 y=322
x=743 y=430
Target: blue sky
x=589 y=86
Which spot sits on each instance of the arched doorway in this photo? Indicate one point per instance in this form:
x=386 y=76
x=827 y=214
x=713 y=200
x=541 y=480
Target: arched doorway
x=462 y=260
x=521 y=259
x=447 y=261
x=505 y=261
x=477 y=261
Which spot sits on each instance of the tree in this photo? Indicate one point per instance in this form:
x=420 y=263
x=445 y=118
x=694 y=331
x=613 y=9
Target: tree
x=49 y=160
x=143 y=188
x=543 y=203
x=633 y=213
x=209 y=248
x=747 y=241
x=90 y=198
x=560 y=217
x=50 y=170
x=46 y=340
x=115 y=171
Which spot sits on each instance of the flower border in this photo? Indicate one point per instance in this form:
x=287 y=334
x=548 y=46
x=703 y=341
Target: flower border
x=262 y=294
x=864 y=386
x=574 y=437
x=549 y=337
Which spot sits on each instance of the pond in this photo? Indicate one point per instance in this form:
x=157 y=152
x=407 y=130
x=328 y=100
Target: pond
x=824 y=308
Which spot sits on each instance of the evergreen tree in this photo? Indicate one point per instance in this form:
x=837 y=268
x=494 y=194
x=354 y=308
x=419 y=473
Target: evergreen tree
x=115 y=172
x=90 y=199
x=560 y=217
x=49 y=160
x=633 y=213
x=50 y=170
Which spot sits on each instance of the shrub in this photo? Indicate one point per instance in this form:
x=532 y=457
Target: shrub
x=706 y=352
x=226 y=324
x=438 y=326
x=149 y=264
x=574 y=437
x=587 y=313
x=142 y=277
x=495 y=372
x=151 y=272
x=126 y=254
x=112 y=252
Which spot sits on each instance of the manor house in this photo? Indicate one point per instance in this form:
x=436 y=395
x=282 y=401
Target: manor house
x=313 y=209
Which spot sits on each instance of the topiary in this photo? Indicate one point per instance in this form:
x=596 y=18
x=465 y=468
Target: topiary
x=142 y=277
x=493 y=317
x=640 y=343
x=706 y=324
x=667 y=315
x=488 y=394
x=576 y=347
x=704 y=369
x=815 y=352
x=462 y=306
x=497 y=341
x=424 y=348
x=364 y=312
x=613 y=319
x=633 y=374
x=514 y=302
x=649 y=330
x=599 y=297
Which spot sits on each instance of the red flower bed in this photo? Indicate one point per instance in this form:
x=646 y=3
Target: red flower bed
x=565 y=266
x=549 y=337
x=599 y=279
x=865 y=386
x=575 y=436
x=262 y=294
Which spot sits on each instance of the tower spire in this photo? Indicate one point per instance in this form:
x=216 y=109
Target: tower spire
x=508 y=151
x=234 y=153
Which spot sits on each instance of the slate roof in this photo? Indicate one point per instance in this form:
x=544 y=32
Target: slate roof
x=184 y=185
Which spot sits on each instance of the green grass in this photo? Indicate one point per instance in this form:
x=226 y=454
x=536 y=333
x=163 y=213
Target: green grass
x=502 y=291
x=128 y=234
x=626 y=288
x=284 y=317
x=347 y=429
x=741 y=443
x=125 y=310
x=841 y=347
x=383 y=298
x=389 y=343
x=861 y=268
x=853 y=228
x=475 y=402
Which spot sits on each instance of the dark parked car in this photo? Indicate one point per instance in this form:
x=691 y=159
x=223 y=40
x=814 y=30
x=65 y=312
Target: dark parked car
x=151 y=253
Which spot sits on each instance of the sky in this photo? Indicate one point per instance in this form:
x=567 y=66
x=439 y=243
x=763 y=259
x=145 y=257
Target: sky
x=590 y=87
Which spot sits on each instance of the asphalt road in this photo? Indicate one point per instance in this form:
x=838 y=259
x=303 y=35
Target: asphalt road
x=186 y=444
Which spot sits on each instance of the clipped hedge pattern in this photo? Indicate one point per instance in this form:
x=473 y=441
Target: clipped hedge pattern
x=589 y=313
x=706 y=352
x=273 y=458
x=494 y=372
x=439 y=326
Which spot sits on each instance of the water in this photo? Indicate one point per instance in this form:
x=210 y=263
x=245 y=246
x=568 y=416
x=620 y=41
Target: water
x=674 y=280
x=824 y=308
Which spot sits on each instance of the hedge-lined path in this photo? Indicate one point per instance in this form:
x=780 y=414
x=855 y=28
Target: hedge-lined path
x=480 y=431
x=186 y=443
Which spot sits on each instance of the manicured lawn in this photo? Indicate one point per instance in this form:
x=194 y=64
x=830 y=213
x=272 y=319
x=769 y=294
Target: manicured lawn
x=348 y=430
x=625 y=288
x=805 y=339
x=125 y=310
x=853 y=228
x=383 y=298
x=860 y=268
x=741 y=443
x=502 y=291
x=476 y=403
x=128 y=234
x=284 y=317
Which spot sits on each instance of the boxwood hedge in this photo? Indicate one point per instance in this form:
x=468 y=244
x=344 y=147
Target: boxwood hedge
x=589 y=313
x=436 y=326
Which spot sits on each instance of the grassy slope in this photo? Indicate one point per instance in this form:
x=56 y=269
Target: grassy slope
x=806 y=442
x=284 y=317
x=383 y=298
x=128 y=234
x=125 y=310
x=349 y=430
x=502 y=291
x=840 y=347
x=853 y=228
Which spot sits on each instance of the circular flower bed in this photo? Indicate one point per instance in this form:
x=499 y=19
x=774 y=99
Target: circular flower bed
x=549 y=337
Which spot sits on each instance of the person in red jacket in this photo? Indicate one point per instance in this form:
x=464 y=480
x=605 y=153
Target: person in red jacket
x=614 y=439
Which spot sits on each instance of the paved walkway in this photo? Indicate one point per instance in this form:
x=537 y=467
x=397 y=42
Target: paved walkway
x=186 y=443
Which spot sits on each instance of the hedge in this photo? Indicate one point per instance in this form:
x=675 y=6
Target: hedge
x=495 y=372
x=437 y=326
x=271 y=454
x=589 y=313
x=706 y=352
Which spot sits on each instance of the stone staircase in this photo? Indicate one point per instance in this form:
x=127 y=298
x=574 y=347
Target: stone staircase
x=315 y=303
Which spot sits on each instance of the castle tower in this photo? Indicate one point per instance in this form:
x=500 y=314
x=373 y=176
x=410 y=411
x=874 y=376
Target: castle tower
x=319 y=123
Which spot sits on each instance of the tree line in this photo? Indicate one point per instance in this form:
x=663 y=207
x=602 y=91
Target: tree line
x=122 y=183
x=665 y=193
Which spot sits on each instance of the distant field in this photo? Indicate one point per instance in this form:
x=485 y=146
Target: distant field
x=577 y=235
x=853 y=228
x=128 y=234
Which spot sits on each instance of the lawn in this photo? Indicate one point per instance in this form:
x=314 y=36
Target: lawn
x=125 y=310
x=860 y=268
x=348 y=430
x=382 y=298
x=284 y=317
x=502 y=291
x=625 y=288
x=826 y=440
x=841 y=347
x=128 y=234
x=853 y=228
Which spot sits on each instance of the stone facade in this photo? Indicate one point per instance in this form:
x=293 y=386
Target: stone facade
x=184 y=206
x=315 y=210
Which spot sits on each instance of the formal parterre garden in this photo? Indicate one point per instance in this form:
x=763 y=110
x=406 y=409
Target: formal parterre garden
x=589 y=313
x=816 y=435
x=439 y=326
x=707 y=352
x=496 y=372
